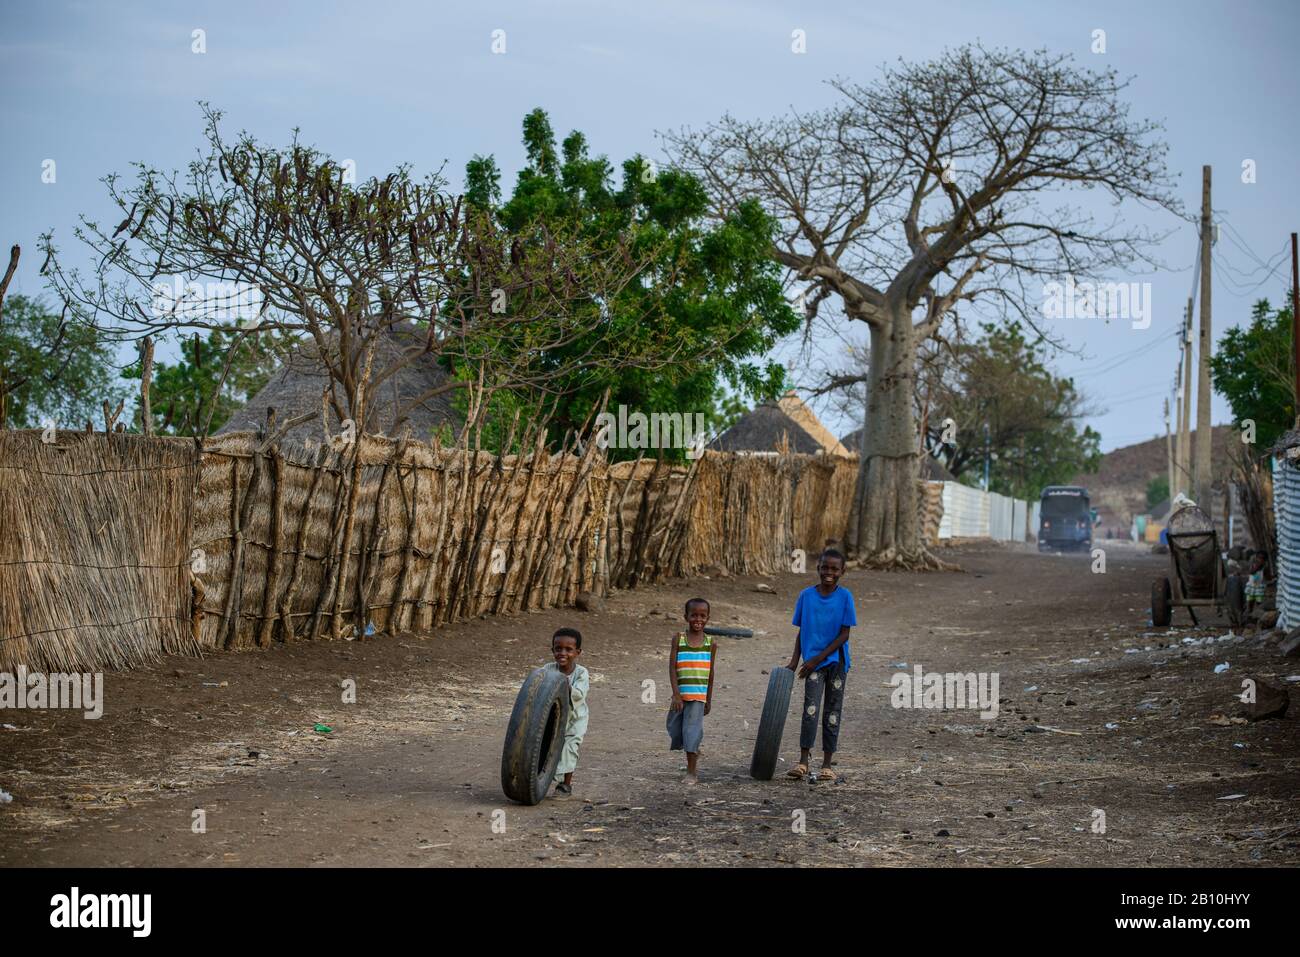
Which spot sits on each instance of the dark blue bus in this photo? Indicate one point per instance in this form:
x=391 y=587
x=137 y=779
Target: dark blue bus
x=1064 y=518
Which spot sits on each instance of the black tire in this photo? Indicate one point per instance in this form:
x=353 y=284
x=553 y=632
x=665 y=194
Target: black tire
x=535 y=736
x=1234 y=597
x=1162 y=611
x=729 y=632
x=771 y=725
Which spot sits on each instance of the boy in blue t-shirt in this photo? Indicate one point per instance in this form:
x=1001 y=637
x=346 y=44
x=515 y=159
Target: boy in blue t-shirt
x=823 y=614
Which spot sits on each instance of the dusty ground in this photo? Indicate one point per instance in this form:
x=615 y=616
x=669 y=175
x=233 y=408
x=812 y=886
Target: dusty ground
x=410 y=773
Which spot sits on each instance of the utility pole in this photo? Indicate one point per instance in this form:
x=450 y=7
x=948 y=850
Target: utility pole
x=986 y=456
x=1169 y=451
x=1185 y=422
x=1295 y=326
x=1201 y=470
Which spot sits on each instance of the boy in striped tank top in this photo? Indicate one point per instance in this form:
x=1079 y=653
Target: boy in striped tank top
x=692 y=662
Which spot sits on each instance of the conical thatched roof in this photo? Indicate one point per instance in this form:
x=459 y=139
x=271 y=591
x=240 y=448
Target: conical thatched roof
x=784 y=425
x=296 y=389
x=803 y=416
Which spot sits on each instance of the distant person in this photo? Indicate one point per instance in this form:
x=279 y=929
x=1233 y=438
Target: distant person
x=566 y=647
x=692 y=664
x=823 y=615
x=1255 y=580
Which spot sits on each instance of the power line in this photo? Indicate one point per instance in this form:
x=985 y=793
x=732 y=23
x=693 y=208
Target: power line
x=1128 y=357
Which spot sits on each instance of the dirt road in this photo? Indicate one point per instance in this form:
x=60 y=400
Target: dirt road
x=409 y=774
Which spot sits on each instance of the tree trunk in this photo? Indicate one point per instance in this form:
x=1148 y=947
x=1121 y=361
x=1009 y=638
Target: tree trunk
x=885 y=528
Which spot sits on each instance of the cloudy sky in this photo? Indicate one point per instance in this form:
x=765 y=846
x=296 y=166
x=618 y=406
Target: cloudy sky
x=96 y=86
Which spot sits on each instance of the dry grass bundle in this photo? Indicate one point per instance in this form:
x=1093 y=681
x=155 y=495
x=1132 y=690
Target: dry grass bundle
x=931 y=509
x=94 y=549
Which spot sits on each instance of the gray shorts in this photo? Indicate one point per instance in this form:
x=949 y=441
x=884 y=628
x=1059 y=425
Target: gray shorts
x=686 y=727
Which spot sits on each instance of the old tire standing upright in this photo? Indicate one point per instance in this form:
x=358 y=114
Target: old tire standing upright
x=535 y=736
x=767 y=747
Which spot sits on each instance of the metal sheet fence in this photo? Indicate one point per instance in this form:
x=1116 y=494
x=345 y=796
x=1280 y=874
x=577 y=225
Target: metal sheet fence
x=1286 y=506
x=972 y=513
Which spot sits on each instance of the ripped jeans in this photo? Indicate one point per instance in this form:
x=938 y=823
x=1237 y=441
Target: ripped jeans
x=823 y=691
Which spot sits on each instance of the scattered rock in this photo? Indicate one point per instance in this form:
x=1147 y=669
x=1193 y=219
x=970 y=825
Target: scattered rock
x=765 y=588
x=1290 y=646
x=589 y=601
x=1271 y=701
x=715 y=571
x=1268 y=620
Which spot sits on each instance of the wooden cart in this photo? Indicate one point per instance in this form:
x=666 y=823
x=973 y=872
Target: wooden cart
x=1198 y=577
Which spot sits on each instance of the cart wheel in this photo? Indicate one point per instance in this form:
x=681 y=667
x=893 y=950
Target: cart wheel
x=1234 y=596
x=1161 y=612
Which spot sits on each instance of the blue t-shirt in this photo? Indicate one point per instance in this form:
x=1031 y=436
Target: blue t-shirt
x=819 y=619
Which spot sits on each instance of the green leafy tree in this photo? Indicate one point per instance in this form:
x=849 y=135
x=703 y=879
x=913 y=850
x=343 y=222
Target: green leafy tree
x=54 y=371
x=1157 y=490
x=709 y=302
x=1034 y=417
x=1254 y=369
x=186 y=392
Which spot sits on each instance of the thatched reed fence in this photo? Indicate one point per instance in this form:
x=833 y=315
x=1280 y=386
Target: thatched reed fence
x=118 y=548
x=743 y=513
x=306 y=542
x=94 y=549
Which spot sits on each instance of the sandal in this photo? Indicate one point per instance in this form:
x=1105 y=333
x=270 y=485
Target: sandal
x=798 y=772
x=825 y=774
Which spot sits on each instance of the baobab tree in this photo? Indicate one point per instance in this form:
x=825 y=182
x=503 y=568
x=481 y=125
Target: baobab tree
x=941 y=183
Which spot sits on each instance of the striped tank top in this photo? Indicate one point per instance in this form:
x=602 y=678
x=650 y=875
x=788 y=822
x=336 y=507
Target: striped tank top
x=693 y=667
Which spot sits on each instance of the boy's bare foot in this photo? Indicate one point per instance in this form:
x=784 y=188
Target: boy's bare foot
x=691 y=779
x=564 y=789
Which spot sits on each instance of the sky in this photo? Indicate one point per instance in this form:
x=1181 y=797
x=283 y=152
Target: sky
x=95 y=87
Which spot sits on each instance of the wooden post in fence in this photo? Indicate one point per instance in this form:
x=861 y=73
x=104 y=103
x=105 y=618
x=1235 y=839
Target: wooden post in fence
x=146 y=378
x=295 y=575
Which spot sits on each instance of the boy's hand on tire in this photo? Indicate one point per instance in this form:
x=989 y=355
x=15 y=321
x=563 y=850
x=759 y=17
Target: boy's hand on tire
x=794 y=664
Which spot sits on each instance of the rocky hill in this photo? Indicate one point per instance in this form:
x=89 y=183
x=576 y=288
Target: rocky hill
x=1118 y=488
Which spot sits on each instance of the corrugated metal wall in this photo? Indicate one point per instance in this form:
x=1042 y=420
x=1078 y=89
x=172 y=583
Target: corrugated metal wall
x=1286 y=507
x=965 y=512
x=1001 y=513
x=970 y=513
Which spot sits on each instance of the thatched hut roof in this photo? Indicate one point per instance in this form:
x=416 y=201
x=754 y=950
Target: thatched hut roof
x=786 y=425
x=296 y=389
